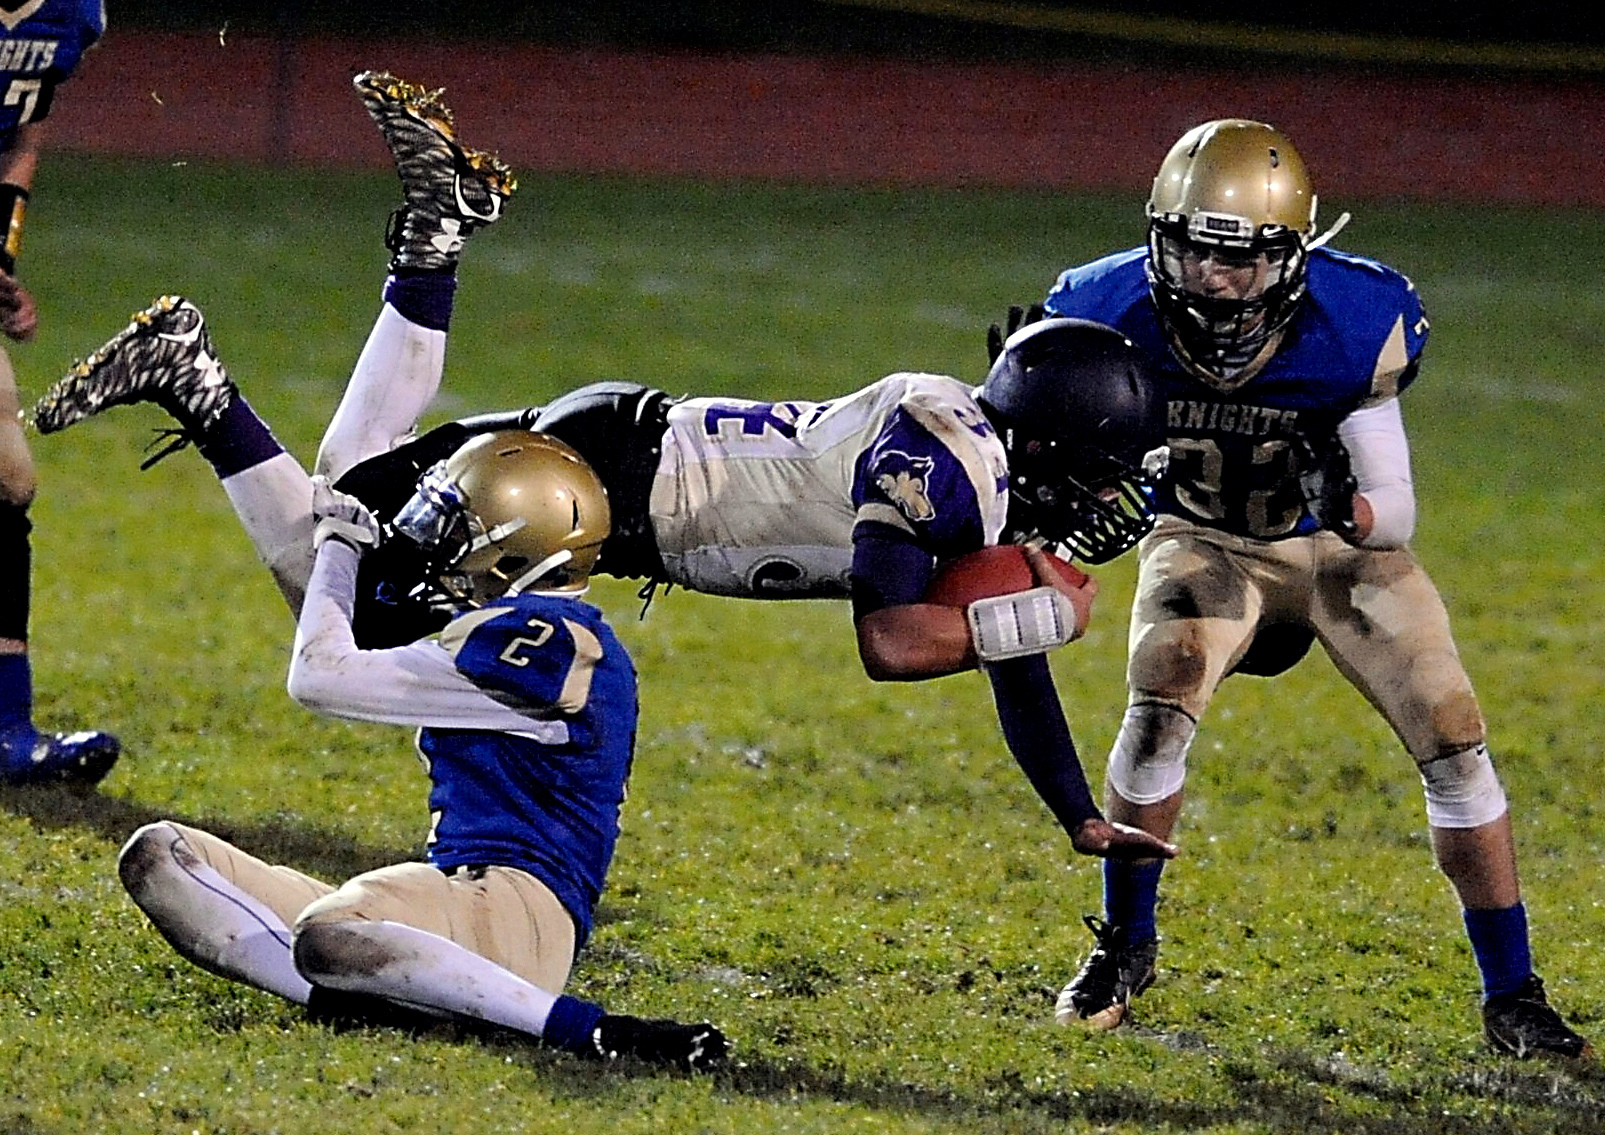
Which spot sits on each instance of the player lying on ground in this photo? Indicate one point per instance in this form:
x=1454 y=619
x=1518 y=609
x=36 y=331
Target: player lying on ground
x=525 y=703
x=876 y=487
x=526 y=714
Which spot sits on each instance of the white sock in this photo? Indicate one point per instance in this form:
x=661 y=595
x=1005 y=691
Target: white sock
x=416 y=968
x=396 y=377
x=208 y=919
x=273 y=500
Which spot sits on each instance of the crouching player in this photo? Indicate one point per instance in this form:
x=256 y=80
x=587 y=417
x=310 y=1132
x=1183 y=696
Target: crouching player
x=526 y=710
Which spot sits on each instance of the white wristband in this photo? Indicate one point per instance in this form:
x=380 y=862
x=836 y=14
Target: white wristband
x=1026 y=622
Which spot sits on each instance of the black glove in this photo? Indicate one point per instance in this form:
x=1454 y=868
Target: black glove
x=690 y=1048
x=1018 y=318
x=1327 y=482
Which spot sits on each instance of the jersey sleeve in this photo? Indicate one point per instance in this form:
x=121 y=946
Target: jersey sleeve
x=538 y=655
x=1399 y=357
x=936 y=476
x=1104 y=290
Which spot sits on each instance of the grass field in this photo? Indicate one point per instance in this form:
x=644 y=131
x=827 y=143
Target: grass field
x=852 y=879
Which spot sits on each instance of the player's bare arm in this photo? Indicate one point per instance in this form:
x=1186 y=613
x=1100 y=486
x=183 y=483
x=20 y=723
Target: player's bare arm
x=913 y=641
x=19 y=316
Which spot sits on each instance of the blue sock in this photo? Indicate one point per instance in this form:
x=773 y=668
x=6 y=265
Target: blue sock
x=1130 y=896
x=570 y=1024
x=423 y=298
x=16 y=692
x=1499 y=940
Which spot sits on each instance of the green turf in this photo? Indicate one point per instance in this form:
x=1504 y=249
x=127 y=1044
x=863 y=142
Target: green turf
x=851 y=878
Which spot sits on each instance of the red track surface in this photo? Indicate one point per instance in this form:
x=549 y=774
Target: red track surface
x=838 y=120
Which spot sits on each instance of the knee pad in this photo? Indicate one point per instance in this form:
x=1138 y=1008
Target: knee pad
x=146 y=856
x=327 y=952
x=1149 y=760
x=1462 y=789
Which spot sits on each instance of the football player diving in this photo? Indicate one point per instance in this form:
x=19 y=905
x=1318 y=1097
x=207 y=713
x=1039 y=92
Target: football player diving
x=525 y=704
x=41 y=45
x=862 y=495
x=1286 y=517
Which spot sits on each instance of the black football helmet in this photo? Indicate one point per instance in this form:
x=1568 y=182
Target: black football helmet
x=1083 y=424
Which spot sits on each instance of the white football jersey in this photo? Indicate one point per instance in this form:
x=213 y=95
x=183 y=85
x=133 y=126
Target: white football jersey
x=759 y=499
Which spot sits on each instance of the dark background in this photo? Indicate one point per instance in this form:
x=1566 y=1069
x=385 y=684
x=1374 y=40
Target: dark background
x=883 y=27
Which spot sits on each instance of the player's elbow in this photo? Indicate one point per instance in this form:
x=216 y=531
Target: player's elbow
x=311 y=685
x=1391 y=514
x=886 y=654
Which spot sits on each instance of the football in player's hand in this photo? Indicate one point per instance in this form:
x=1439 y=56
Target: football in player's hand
x=999 y=570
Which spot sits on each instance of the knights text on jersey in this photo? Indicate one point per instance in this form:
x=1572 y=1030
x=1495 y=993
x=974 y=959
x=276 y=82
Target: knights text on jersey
x=41 y=43
x=1356 y=341
x=761 y=499
x=546 y=801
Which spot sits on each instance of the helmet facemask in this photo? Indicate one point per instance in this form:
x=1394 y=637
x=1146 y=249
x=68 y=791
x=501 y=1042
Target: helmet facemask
x=1223 y=298
x=1097 y=506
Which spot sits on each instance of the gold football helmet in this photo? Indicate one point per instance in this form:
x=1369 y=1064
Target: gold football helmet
x=509 y=512
x=1230 y=225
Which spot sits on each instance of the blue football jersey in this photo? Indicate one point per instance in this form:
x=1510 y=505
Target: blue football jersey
x=546 y=801
x=1356 y=340
x=41 y=44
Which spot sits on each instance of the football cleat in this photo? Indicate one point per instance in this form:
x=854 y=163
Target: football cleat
x=690 y=1048
x=163 y=356
x=30 y=757
x=450 y=190
x=1522 y=1024
x=1099 y=996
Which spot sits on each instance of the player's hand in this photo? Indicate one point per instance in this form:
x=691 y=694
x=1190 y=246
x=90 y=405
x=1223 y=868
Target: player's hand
x=19 y=315
x=1328 y=483
x=1119 y=841
x=1079 y=587
x=1018 y=318
x=341 y=516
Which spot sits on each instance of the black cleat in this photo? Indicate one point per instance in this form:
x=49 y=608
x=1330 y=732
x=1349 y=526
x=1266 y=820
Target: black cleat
x=1522 y=1024
x=1099 y=996
x=164 y=356
x=690 y=1048
x=450 y=190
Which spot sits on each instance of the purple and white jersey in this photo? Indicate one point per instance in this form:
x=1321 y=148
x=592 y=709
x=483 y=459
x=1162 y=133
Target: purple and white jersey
x=761 y=499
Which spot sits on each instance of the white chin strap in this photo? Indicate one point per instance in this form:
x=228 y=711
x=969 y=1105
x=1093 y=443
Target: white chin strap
x=556 y=560
x=1337 y=227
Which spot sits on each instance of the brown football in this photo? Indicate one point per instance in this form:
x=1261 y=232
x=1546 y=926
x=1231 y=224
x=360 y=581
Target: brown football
x=999 y=570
